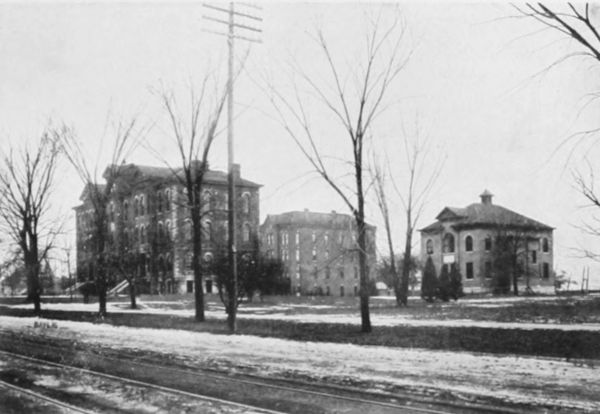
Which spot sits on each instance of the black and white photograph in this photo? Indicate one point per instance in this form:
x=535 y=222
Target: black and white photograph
x=301 y=207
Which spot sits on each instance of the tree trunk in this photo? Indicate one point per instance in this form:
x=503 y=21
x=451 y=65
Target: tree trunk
x=362 y=249
x=132 y=294
x=406 y=268
x=197 y=256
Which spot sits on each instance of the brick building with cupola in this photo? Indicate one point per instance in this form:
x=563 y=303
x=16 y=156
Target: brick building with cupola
x=466 y=237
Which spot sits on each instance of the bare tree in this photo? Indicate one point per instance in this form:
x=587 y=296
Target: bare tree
x=585 y=185
x=581 y=23
x=422 y=168
x=126 y=138
x=354 y=106
x=193 y=139
x=26 y=185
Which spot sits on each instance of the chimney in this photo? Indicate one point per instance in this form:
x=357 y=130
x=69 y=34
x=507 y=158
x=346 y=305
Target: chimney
x=236 y=171
x=486 y=198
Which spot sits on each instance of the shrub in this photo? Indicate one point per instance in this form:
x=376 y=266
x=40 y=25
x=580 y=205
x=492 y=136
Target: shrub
x=456 y=290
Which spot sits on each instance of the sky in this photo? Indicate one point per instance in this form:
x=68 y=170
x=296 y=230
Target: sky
x=476 y=83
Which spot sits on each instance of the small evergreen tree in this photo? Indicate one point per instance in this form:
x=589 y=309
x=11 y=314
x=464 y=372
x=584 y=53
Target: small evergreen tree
x=456 y=290
x=429 y=281
x=443 y=287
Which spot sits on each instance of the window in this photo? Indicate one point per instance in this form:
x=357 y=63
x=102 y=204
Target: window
x=136 y=203
x=469 y=243
x=327 y=254
x=246 y=232
x=142 y=205
x=341 y=291
x=355 y=272
x=167 y=200
x=327 y=274
x=488 y=270
x=534 y=256
x=469 y=271
x=125 y=210
x=270 y=239
x=326 y=238
x=190 y=286
x=448 y=243
x=545 y=245
x=488 y=243
x=297 y=238
x=327 y=291
x=159 y=202
x=168 y=230
x=245 y=203
x=206 y=200
x=297 y=255
x=546 y=271
x=315 y=272
x=208 y=230
x=341 y=272
x=429 y=246
x=355 y=290
x=314 y=237
x=160 y=231
x=314 y=254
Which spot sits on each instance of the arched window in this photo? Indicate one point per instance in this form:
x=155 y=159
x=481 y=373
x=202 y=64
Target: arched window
x=545 y=245
x=167 y=200
x=142 y=205
x=448 y=243
x=429 y=246
x=136 y=203
x=206 y=200
x=159 y=202
x=208 y=230
x=246 y=203
x=469 y=243
x=246 y=232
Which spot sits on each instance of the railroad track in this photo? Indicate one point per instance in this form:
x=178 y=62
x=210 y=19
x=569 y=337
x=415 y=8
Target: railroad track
x=278 y=395
x=36 y=396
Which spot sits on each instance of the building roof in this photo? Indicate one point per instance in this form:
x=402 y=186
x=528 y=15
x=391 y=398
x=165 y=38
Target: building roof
x=484 y=214
x=313 y=219
x=210 y=177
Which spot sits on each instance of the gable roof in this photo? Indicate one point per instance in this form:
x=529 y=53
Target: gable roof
x=484 y=214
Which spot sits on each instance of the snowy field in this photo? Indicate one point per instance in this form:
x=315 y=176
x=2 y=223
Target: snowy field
x=543 y=381
x=313 y=313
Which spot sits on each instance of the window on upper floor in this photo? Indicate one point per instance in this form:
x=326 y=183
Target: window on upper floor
x=246 y=203
x=545 y=245
x=429 y=246
x=534 y=256
x=159 y=202
x=469 y=244
x=448 y=246
x=246 y=232
x=488 y=243
x=142 y=205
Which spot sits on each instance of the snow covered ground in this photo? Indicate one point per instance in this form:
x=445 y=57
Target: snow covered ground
x=280 y=312
x=546 y=381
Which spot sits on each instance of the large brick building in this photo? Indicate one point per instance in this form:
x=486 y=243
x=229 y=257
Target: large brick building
x=319 y=251
x=466 y=237
x=148 y=214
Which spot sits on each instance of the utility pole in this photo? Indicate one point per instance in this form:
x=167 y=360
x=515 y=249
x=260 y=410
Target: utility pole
x=243 y=23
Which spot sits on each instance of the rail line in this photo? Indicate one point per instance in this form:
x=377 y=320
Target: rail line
x=116 y=378
x=44 y=398
x=373 y=399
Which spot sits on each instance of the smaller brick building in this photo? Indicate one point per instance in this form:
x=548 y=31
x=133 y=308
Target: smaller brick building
x=319 y=251
x=466 y=237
